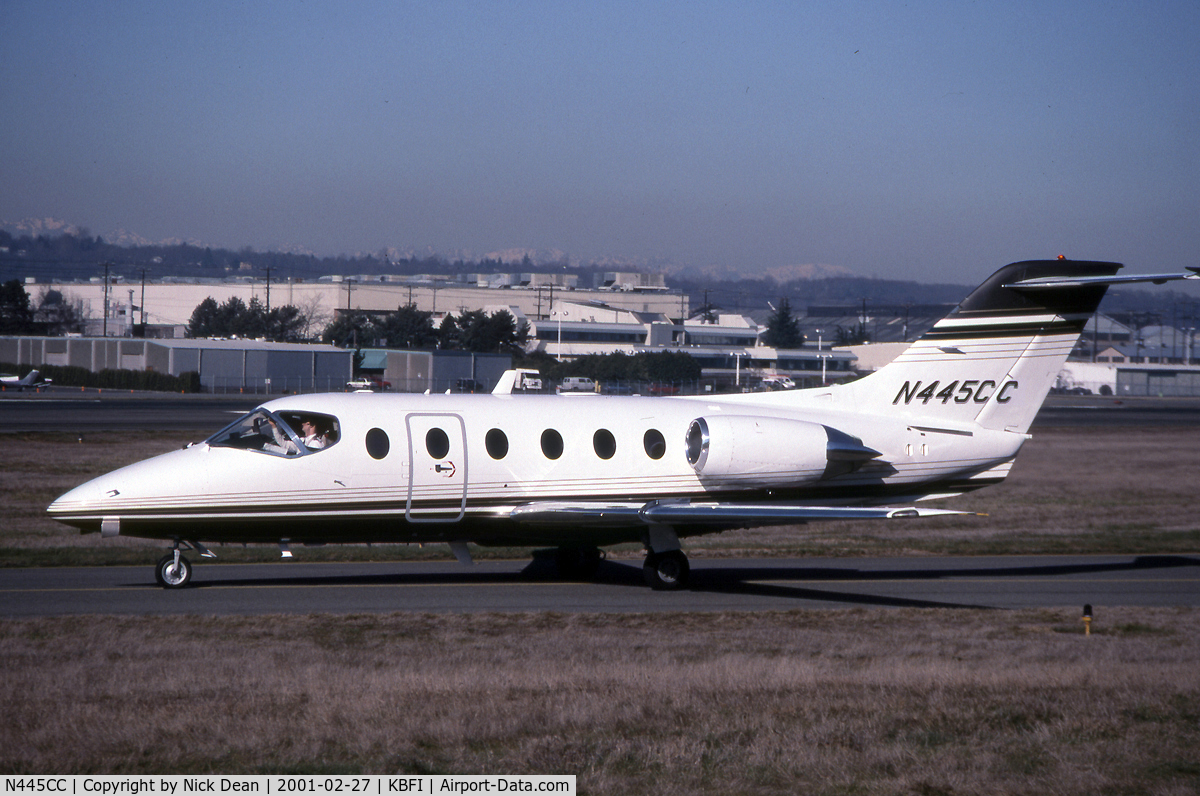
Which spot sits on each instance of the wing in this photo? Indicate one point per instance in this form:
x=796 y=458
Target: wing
x=714 y=513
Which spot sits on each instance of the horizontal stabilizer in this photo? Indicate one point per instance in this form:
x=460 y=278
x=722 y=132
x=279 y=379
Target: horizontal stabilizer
x=1046 y=282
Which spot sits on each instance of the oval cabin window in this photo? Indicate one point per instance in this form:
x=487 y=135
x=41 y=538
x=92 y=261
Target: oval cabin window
x=378 y=443
x=604 y=443
x=437 y=443
x=496 y=443
x=656 y=445
x=552 y=443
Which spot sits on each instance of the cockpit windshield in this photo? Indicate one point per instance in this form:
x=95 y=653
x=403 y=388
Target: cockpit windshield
x=279 y=434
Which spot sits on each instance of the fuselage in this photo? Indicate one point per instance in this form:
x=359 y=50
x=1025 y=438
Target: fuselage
x=416 y=468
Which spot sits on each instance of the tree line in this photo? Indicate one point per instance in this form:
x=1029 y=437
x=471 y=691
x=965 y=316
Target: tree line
x=407 y=327
x=51 y=314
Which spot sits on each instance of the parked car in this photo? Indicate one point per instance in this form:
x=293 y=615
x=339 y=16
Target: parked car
x=777 y=383
x=368 y=384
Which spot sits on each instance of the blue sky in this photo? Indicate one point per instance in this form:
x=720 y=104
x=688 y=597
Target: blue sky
x=933 y=141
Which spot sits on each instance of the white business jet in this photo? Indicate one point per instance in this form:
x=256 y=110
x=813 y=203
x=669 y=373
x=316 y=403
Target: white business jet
x=579 y=473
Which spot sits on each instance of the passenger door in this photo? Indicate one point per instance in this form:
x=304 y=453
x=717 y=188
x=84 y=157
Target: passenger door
x=437 y=473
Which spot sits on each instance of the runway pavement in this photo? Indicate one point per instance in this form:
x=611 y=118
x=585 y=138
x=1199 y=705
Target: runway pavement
x=507 y=586
x=80 y=412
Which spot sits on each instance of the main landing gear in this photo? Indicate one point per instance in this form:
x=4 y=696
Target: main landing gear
x=666 y=567
x=666 y=571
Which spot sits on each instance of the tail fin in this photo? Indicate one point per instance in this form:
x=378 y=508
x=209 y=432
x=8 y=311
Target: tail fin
x=995 y=357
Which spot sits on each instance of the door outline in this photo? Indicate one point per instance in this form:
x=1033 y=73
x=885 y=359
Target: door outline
x=436 y=471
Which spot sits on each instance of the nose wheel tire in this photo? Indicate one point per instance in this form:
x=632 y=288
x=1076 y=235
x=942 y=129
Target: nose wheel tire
x=171 y=575
x=666 y=571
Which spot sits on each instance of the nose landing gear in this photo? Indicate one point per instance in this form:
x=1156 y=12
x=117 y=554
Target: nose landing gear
x=173 y=571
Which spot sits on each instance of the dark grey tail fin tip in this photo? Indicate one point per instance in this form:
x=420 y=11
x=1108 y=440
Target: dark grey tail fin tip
x=993 y=298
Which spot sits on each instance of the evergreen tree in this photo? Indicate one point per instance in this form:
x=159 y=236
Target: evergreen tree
x=235 y=319
x=203 y=320
x=284 y=324
x=16 y=316
x=409 y=327
x=482 y=333
x=782 y=329
x=352 y=330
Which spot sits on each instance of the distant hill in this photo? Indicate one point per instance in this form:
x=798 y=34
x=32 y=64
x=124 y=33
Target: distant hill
x=48 y=249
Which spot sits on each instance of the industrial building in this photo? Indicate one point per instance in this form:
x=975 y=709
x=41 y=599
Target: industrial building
x=224 y=365
x=165 y=306
x=728 y=346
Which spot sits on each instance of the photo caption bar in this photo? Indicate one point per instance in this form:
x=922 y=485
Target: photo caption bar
x=266 y=785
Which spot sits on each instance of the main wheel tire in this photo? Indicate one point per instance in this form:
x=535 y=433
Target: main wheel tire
x=666 y=571
x=171 y=577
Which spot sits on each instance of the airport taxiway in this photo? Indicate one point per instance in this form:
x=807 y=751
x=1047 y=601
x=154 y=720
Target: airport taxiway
x=519 y=585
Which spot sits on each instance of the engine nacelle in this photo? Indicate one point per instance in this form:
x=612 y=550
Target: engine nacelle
x=767 y=451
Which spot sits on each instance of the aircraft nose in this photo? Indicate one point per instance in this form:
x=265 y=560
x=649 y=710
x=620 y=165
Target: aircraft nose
x=83 y=506
x=88 y=505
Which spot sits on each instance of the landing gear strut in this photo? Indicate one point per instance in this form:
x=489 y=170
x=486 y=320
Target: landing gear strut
x=666 y=571
x=173 y=570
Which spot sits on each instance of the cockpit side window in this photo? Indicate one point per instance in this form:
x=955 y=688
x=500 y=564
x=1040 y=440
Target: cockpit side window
x=284 y=434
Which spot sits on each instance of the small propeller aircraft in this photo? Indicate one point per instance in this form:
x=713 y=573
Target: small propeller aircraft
x=29 y=380
x=582 y=472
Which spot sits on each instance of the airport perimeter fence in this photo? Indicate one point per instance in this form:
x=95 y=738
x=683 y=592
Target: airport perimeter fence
x=287 y=385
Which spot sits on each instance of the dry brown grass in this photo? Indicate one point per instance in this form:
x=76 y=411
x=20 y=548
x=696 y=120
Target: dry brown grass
x=37 y=468
x=820 y=702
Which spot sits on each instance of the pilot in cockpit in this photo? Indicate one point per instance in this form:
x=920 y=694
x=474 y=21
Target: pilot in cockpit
x=312 y=436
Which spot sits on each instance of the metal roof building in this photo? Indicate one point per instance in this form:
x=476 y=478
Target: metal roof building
x=224 y=365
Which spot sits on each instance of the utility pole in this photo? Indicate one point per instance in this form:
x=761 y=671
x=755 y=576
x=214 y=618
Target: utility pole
x=143 y=299
x=106 y=266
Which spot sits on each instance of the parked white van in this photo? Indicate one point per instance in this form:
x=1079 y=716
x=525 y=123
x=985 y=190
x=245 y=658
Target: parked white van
x=577 y=384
